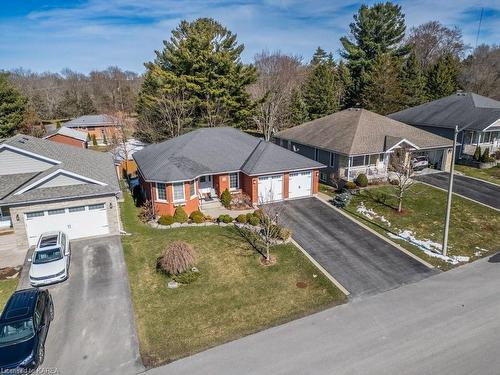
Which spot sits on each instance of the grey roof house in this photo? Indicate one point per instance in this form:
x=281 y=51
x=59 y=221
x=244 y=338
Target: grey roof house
x=355 y=141
x=47 y=186
x=477 y=117
x=101 y=127
x=203 y=163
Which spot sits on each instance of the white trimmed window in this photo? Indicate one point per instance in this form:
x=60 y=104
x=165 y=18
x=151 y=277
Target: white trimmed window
x=178 y=188
x=161 y=191
x=234 y=181
x=322 y=176
x=192 y=188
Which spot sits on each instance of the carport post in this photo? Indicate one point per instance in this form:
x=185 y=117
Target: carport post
x=450 y=193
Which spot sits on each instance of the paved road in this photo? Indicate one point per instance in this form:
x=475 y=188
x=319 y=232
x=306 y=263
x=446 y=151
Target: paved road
x=479 y=191
x=362 y=262
x=445 y=324
x=93 y=331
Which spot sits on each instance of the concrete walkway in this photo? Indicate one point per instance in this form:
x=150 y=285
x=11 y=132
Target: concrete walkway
x=10 y=254
x=445 y=324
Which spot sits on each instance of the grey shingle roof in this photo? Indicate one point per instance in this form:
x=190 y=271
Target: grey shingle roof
x=91 y=120
x=359 y=132
x=468 y=110
x=215 y=150
x=11 y=182
x=91 y=164
x=69 y=132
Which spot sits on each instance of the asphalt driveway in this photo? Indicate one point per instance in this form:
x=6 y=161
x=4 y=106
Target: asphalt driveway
x=93 y=331
x=361 y=261
x=471 y=188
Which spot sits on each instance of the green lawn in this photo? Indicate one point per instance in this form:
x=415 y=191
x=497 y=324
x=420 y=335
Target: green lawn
x=327 y=189
x=472 y=225
x=7 y=287
x=234 y=296
x=490 y=174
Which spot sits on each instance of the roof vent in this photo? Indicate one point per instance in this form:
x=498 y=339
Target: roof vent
x=23 y=140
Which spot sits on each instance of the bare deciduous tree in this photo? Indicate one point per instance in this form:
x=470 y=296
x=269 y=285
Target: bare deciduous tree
x=401 y=173
x=278 y=75
x=481 y=71
x=270 y=216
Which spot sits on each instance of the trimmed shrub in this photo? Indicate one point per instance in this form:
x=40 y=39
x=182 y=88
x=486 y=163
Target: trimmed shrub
x=349 y=185
x=166 y=220
x=186 y=277
x=259 y=214
x=477 y=154
x=242 y=219
x=285 y=234
x=249 y=216
x=225 y=198
x=197 y=217
x=94 y=140
x=180 y=215
x=179 y=257
x=362 y=180
x=254 y=220
x=342 y=200
x=225 y=219
x=486 y=157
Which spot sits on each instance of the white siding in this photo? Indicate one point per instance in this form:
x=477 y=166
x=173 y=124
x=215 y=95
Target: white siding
x=61 y=180
x=12 y=162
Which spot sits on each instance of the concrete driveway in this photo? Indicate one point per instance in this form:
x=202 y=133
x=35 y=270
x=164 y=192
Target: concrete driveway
x=471 y=188
x=93 y=331
x=362 y=262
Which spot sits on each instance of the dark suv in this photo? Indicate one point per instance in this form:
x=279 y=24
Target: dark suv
x=24 y=325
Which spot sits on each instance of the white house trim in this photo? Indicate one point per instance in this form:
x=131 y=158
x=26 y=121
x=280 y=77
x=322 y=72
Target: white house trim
x=401 y=141
x=494 y=124
x=28 y=153
x=55 y=173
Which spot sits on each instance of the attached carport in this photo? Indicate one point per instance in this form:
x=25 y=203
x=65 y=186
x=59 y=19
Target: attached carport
x=439 y=158
x=362 y=262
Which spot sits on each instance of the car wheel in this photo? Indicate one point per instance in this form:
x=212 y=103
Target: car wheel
x=41 y=355
x=51 y=310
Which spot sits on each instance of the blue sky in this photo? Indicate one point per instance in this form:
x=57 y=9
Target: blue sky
x=49 y=35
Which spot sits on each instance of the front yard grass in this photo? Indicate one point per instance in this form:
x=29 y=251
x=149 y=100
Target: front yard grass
x=489 y=174
x=327 y=189
x=7 y=287
x=472 y=226
x=234 y=296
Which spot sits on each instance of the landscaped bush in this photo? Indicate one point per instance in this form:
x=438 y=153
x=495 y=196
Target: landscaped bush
x=259 y=214
x=225 y=219
x=147 y=212
x=180 y=215
x=197 y=217
x=254 y=220
x=285 y=234
x=486 y=157
x=225 y=198
x=179 y=257
x=166 y=220
x=477 y=154
x=342 y=200
x=349 y=185
x=242 y=219
x=186 y=277
x=249 y=216
x=362 y=180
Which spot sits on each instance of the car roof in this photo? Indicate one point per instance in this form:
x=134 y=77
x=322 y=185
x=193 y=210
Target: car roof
x=20 y=305
x=49 y=239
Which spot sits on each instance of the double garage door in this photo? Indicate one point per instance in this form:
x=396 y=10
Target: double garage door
x=76 y=222
x=271 y=187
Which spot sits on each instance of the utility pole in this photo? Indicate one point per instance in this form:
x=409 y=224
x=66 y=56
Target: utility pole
x=450 y=193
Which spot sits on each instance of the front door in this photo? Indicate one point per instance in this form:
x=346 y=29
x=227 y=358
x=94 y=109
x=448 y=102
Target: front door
x=206 y=184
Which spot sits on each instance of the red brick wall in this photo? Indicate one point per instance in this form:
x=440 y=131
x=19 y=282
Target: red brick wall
x=168 y=208
x=249 y=185
x=285 y=185
x=221 y=183
x=59 y=138
x=315 y=181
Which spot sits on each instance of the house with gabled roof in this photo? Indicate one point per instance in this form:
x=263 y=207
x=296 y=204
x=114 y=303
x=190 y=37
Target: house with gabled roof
x=47 y=186
x=101 y=127
x=69 y=136
x=355 y=141
x=197 y=167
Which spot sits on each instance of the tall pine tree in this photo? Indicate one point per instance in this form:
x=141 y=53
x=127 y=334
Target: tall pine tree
x=13 y=108
x=442 y=78
x=297 y=109
x=412 y=81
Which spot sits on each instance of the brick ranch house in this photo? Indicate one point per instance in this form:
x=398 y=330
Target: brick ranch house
x=103 y=127
x=69 y=136
x=198 y=166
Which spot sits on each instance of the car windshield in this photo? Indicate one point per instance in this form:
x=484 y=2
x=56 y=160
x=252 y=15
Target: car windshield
x=48 y=255
x=13 y=332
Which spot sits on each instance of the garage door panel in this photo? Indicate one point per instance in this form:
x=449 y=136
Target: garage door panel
x=270 y=188
x=76 y=222
x=300 y=184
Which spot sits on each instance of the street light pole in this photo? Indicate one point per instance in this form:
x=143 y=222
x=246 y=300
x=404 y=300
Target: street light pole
x=450 y=193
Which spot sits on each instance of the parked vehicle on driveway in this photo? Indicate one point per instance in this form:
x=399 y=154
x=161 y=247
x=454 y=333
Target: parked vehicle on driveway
x=50 y=260
x=419 y=163
x=24 y=325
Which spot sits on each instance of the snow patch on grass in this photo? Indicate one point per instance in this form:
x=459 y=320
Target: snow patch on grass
x=479 y=251
x=370 y=214
x=429 y=247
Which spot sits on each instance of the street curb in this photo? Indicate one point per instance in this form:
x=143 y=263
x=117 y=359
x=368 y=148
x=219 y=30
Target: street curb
x=397 y=246
x=459 y=195
x=320 y=267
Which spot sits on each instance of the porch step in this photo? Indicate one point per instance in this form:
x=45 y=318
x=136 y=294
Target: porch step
x=211 y=204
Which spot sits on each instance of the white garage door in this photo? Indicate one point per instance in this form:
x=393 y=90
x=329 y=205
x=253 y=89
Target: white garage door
x=76 y=222
x=300 y=184
x=270 y=188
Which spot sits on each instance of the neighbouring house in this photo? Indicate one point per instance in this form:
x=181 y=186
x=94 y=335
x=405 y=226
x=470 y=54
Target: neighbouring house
x=477 y=117
x=197 y=167
x=47 y=186
x=123 y=157
x=103 y=127
x=69 y=136
x=355 y=141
